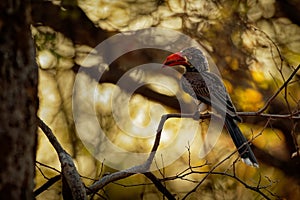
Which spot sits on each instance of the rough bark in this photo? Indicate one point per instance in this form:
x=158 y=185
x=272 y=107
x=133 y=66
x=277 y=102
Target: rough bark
x=18 y=107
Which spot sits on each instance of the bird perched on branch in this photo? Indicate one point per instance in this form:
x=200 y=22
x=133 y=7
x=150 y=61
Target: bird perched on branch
x=208 y=88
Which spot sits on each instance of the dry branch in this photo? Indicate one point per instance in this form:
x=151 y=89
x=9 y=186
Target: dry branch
x=284 y=85
x=144 y=168
x=69 y=171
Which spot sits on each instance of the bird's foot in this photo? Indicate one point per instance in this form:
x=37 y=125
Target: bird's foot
x=196 y=115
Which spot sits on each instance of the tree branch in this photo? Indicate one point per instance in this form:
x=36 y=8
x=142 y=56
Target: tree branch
x=69 y=171
x=220 y=163
x=48 y=184
x=143 y=168
x=159 y=185
x=278 y=91
x=268 y=115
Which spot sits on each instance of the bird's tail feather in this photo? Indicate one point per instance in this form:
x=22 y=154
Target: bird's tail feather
x=240 y=142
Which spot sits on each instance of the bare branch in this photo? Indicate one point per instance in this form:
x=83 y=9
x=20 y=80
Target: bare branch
x=143 y=168
x=220 y=163
x=69 y=170
x=48 y=184
x=159 y=185
x=44 y=165
x=278 y=91
x=272 y=116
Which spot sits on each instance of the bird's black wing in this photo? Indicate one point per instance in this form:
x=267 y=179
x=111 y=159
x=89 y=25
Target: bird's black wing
x=208 y=88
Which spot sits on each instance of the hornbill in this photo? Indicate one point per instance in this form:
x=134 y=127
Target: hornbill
x=208 y=88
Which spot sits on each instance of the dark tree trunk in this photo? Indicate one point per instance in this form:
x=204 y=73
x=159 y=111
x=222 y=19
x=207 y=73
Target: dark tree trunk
x=18 y=106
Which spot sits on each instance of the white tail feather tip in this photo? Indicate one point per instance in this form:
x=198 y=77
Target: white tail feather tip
x=247 y=161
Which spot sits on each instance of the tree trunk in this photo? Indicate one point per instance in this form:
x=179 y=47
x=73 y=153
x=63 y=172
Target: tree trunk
x=18 y=106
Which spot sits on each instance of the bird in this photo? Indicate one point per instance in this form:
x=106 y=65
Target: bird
x=208 y=88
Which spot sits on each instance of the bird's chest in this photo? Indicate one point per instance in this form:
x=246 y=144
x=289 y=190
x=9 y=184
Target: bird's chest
x=194 y=84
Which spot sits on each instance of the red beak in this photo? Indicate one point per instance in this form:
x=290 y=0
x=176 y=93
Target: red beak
x=175 y=59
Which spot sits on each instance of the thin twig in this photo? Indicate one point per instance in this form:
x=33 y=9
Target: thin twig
x=46 y=185
x=159 y=185
x=278 y=91
x=47 y=166
x=221 y=162
x=268 y=115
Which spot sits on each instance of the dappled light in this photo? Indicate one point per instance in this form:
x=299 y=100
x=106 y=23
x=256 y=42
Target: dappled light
x=104 y=104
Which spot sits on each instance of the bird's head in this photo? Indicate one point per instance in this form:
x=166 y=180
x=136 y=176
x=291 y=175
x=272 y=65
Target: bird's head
x=191 y=58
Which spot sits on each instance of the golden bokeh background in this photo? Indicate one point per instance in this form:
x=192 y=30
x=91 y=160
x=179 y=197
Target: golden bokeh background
x=254 y=44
